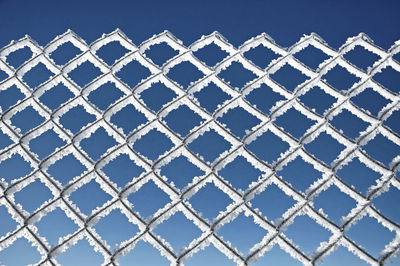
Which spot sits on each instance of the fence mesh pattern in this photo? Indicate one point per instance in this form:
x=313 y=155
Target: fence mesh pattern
x=125 y=136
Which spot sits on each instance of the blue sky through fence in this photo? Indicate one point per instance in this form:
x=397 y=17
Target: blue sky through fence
x=286 y=22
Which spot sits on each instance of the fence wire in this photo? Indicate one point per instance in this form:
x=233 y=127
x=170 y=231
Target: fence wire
x=185 y=96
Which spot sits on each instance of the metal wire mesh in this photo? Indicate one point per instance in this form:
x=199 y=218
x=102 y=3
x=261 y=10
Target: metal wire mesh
x=180 y=198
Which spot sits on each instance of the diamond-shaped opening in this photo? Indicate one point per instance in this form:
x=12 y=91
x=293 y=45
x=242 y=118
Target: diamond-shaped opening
x=349 y=124
x=341 y=255
x=11 y=255
x=211 y=54
x=157 y=96
x=160 y=53
x=185 y=74
x=67 y=168
x=182 y=120
x=388 y=204
x=89 y=196
x=56 y=96
x=98 y=143
x=306 y=233
x=264 y=98
x=153 y=144
x=361 y=57
x=144 y=254
x=128 y=118
x=179 y=231
x=27 y=119
x=268 y=147
x=148 y=199
x=37 y=75
x=240 y=173
x=261 y=55
x=33 y=195
x=14 y=168
x=105 y=95
x=76 y=118
x=300 y=174
x=294 y=122
x=325 y=148
x=364 y=98
x=18 y=57
x=84 y=73
x=111 y=52
x=277 y=257
x=3 y=75
x=122 y=228
x=272 y=202
x=7 y=224
x=382 y=149
x=330 y=199
x=247 y=121
x=9 y=97
x=325 y=101
x=181 y=171
x=236 y=75
x=210 y=201
x=211 y=97
x=207 y=255
x=210 y=145
x=133 y=73
x=55 y=225
x=371 y=235
x=5 y=140
x=289 y=77
x=340 y=78
x=64 y=53
x=122 y=170
x=243 y=233
x=393 y=122
x=82 y=253
x=311 y=56
x=358 y=175
x=46 y=143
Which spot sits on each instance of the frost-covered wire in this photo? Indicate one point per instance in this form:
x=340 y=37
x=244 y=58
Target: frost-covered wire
x=179 y=198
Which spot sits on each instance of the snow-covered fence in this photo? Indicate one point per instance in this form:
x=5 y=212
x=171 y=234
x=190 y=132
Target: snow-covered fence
x=125 y=139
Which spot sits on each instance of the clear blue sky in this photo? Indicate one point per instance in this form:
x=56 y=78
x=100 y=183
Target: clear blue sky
x=286 y=22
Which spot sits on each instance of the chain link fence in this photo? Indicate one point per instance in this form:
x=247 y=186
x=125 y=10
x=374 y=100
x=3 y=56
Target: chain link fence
x=239 y=144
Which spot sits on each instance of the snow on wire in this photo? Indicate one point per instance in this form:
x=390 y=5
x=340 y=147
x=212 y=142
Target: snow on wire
x=185 y=96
